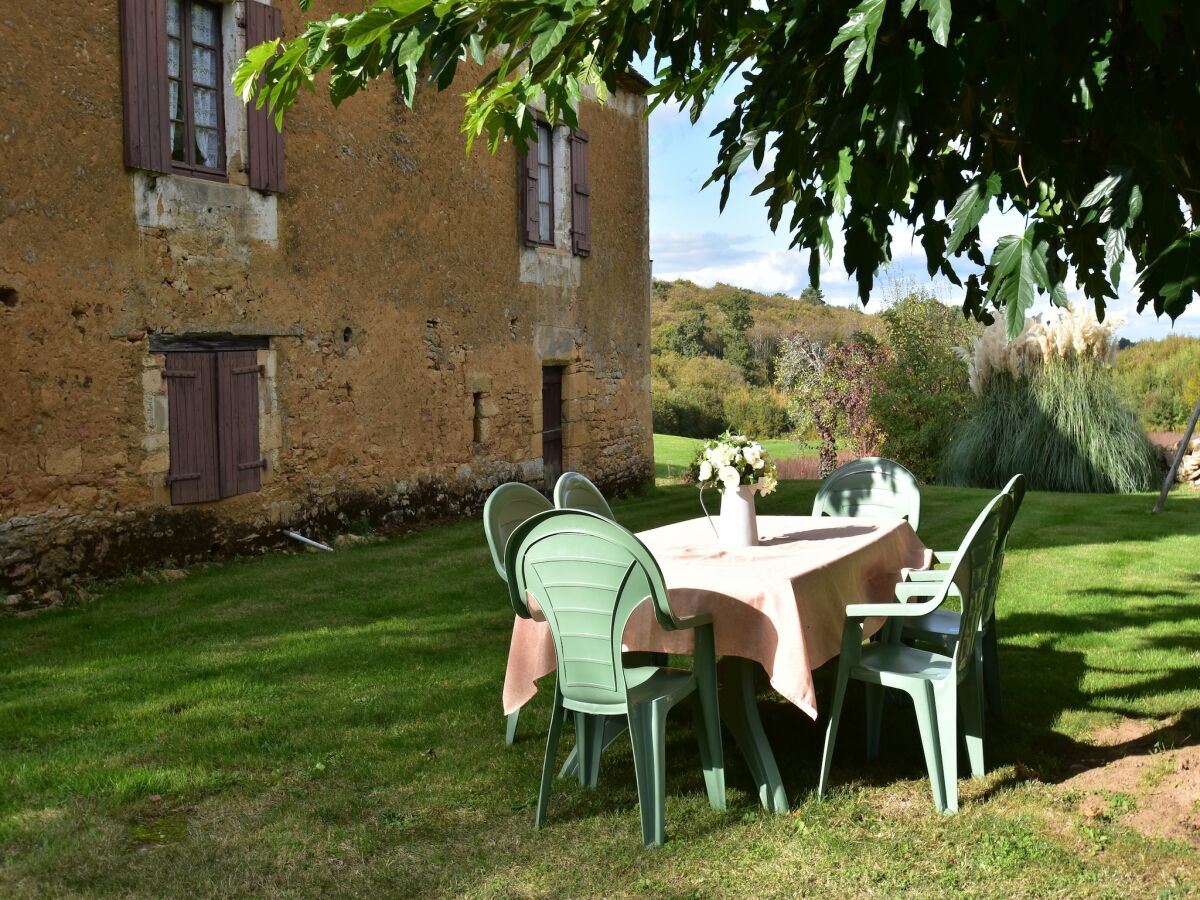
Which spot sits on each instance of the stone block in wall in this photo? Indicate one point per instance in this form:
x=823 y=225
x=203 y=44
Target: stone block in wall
x=155 y=464
x=66 y=461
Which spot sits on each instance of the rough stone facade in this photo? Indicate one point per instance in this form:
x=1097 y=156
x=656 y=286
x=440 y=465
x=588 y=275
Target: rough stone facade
x=407 y=325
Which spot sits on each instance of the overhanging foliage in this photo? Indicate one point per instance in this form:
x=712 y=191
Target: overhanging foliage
x=1078 y=114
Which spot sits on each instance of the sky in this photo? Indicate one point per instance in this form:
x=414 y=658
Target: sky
x=690 y=238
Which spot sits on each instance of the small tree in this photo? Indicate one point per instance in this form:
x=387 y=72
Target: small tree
x=923 y=392
x=831 y=386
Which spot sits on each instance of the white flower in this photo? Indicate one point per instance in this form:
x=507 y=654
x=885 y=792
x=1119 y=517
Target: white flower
x=767 y=484
x=706 y=471
x=753 y=455
x=729 y=477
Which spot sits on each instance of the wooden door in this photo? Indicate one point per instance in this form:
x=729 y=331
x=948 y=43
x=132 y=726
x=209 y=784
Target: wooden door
x=552 y=447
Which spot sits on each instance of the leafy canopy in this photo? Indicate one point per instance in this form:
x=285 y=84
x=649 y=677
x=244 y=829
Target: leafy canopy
x=1078 y=114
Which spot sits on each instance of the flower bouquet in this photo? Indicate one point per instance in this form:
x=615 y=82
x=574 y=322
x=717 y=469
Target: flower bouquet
x=737 y=466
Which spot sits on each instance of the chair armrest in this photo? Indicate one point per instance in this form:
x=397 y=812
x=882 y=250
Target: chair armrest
x=912 y=590
x=863 y=610
x=926 y=575
x=694 y=621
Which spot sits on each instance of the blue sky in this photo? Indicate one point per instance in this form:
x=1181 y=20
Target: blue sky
x=690 y=238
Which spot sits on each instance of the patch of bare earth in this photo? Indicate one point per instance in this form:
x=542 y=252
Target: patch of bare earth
x=1144 y=774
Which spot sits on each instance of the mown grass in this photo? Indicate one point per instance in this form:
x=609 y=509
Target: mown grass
x=673 y=455
x=329 y=725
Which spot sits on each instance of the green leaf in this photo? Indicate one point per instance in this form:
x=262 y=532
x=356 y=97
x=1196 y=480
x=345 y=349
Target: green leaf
x=250 y=67
x=860 y=31
x=1018 y=272
x=548 y=40
x=939 y=19
x=1152 y=16
x=1173 y=277
x=970 y=208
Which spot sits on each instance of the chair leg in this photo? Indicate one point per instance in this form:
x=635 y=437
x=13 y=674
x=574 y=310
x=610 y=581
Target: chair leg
x=970 y=707
x=991 y=669
x=835 y=714
x=589 y=741
x=556 y=720
x=708 y=720
x=510 y=727
x=875 y=694
x=647 y=729
x=927 y=722
x=946 y=705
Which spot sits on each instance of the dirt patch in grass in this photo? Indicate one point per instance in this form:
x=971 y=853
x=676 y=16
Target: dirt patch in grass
x=1146 y=774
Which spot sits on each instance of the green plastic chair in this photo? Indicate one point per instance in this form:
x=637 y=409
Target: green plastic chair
x=507 y=507
x=587 y=575
x=940 y=627
x=941 y=686
x=872 y=487
x=576 y=491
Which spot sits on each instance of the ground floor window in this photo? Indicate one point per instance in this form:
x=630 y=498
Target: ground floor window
x=552 y=431
x=213 y=412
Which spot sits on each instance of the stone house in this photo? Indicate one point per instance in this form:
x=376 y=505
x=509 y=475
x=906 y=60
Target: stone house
x=208 y=336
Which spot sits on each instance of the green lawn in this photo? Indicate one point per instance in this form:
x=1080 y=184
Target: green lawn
x=672 y=454
x=329 y=725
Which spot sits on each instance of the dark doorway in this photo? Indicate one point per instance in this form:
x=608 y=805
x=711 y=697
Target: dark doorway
x=552 y=448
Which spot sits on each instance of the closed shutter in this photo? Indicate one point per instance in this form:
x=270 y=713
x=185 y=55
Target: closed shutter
x=147 y=123
x=528 y=178
x=263 y=23
x=581 y=218
x=192 y=413
x=238 y=375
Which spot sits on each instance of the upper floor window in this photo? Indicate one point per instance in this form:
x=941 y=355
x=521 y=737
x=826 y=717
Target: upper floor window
x=194 y=87
x=174 y=90
x=543 y=170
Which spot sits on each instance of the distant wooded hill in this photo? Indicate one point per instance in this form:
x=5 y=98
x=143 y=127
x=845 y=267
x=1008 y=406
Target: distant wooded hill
x=714 y=350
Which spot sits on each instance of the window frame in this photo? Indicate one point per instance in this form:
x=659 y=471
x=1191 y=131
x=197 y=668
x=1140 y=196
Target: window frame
x=546 y=131
x=187 y=99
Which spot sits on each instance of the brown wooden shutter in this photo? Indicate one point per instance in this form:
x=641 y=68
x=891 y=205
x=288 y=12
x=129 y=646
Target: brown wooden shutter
x=263 y=23
x=581 y=214
x=192 y=414
x=530 y=211
x=147 y=123
x=238 y=375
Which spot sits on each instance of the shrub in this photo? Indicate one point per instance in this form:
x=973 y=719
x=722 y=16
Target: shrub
x=1047 y=406
x=688 y=394
x=757 y=411
x=923 y=393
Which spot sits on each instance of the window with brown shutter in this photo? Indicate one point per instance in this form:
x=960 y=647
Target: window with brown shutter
x=263 y=23
x=537 y=188
x=212 y=401
x=581 y=221
x=174 y=90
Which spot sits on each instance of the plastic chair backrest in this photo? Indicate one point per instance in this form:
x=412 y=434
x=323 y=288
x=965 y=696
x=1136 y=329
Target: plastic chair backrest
x=587 y=575
x=971 y=573
x=1015 y=491
x=871 y=486
x=576 y=491
x=507 y=507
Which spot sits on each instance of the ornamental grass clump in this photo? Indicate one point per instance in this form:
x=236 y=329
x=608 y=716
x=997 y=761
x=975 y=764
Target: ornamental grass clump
x=1046 y=405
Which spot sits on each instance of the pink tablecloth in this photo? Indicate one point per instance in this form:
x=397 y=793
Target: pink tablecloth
x=781 y=603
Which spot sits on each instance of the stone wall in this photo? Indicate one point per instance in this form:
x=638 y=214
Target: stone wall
x=407 y=325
